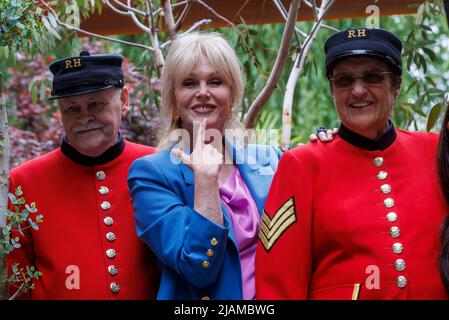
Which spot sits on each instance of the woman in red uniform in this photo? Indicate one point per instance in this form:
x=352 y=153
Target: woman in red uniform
x=358 y=218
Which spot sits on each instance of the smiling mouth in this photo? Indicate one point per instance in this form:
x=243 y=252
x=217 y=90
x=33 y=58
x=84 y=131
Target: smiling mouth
x=359 y=105
x=203 y=108
x=86 y=130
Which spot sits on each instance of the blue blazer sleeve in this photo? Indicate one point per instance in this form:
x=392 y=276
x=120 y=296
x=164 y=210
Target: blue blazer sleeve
x=178 y=235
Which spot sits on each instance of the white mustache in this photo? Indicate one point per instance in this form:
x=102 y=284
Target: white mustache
x=89 y=126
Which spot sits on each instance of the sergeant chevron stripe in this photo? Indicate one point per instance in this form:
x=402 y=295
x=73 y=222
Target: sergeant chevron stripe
x=272 y=229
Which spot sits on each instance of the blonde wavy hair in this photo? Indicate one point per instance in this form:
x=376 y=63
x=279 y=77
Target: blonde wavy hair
x=185 y=53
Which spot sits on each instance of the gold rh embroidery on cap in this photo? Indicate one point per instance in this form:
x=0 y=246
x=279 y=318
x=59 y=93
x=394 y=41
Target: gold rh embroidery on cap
x=356 y=33
x=272 y=229
x=75 y=63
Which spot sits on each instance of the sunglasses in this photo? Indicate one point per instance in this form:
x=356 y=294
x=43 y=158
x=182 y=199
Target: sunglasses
x=345 y=81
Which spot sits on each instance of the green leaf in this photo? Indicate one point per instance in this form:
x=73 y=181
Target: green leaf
x=19 y=191
x=31 y=84
x=32 y=224
x=12 y=198
x=52 y=20
x=50 y=28
x=42 y=93
x=25 y=214
x=425 y=43
x=431 y=81
x=431 y=54
x=433 y=116
x=19 y=228
x=15 y=268
x=420 y=13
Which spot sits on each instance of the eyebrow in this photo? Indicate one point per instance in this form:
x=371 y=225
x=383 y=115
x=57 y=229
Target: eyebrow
x=375 y=69
x=67 y=104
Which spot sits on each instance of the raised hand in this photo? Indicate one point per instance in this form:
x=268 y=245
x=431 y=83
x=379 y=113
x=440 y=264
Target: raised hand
x=204 y=158
x=323 y=136
x=206 y=162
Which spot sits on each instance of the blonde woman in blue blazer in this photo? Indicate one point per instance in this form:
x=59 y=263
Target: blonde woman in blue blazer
x=199 y=211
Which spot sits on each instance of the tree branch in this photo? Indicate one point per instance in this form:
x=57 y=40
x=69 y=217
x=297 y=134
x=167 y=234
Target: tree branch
x=123 y=13
x=281 y=58
x=70 y=27
x=284 y=14
x=19 y=291
x=168 y=17
x=139 y=24
x=4 y=157
x=296 y=72
x=159 y=58
x=183 y=15
x=181 y=3
x=128 y=7
x=215 y=12
x=192 y=28
x=329 y=27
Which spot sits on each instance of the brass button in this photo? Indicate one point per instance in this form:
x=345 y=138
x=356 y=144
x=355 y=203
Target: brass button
x=382 y=175
x=205 y=298
x=112 y=270
x=378 y=161
x=110 y=236
x=108 y=221
x=105 y=205
x=210 y=252
x=103 y=190
x=397 y=248
x=389 y=203
x=110 y=253
x=101 y=175
x=392 y=217
x=399 y=265
x=385 y=188
x=401 y=282
x=395 y=232
x=205 y=264
x=114 y=287
x=214 y=241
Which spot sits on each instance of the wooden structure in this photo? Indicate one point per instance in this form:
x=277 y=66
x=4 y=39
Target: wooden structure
x=250 y=11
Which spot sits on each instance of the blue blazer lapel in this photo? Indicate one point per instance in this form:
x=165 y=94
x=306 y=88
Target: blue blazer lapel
x=256 y=173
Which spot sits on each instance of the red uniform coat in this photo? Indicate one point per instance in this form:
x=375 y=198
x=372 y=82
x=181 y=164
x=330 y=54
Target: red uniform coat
x=342 y=222
x=86 y=246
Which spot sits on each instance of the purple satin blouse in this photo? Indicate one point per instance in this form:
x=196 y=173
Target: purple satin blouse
x=245 y=217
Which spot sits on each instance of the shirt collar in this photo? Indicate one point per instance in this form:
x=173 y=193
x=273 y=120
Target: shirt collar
x=364 y=143
x=107 y=156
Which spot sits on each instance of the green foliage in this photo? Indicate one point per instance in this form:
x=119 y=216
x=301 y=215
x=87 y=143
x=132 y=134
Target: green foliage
x=424 y=85
x=25 y=276
x=425 y=60
x=19 y=22
x=21 y=217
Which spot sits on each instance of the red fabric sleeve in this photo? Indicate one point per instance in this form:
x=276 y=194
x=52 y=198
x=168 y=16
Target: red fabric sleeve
x=283 y=259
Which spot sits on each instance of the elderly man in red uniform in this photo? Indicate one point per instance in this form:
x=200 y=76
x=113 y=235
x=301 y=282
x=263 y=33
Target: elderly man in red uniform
x=86 y=247
x=360 y=217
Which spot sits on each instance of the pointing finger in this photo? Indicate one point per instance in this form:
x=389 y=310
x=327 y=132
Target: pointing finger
x=181 y=155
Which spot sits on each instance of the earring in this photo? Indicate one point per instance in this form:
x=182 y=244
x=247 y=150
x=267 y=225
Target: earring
x=175 y=116
x=230 y=115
